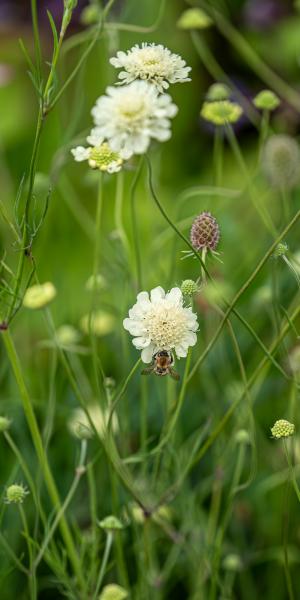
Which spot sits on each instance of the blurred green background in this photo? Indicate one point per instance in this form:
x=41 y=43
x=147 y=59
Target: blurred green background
x=64 y=255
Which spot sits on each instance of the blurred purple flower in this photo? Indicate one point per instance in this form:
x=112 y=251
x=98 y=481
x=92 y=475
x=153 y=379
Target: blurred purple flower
x=261 y=14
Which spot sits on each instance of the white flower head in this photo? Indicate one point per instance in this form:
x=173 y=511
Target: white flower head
x=161 y=322
x=131 y=116
x=151 y=62
x=99 y=155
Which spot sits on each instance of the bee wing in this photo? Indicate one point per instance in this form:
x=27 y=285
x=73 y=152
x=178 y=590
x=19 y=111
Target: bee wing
x=147 y=371
x=174 y=374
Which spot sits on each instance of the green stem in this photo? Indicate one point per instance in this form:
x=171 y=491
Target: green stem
x=118 y=211
x=135 y=229
x=256 y=63
x=38 y=444
x=291 y=466
x=108 y=544
x=241 y=291
x=32 y=572
x=60 y=513
x=221 y=425
x=264 y=215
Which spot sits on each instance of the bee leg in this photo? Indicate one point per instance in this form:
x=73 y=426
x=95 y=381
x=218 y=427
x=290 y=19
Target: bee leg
x=147 y=371
x=174 y=375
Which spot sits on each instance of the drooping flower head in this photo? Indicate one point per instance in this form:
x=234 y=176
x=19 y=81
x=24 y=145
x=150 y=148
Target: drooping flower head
x=99 y=156
x=161 y=322
x=129 y=117
x=281 y=161
x=205 y=232
x=151 y=62
x=221 y=112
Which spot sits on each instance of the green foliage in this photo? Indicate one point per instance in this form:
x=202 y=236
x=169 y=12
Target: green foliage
x=203 y=503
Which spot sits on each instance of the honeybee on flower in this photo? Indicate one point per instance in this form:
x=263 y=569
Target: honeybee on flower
x=161 y=325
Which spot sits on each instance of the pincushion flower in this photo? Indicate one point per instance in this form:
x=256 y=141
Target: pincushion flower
x=151 y=62
x=129 y=117
x=161 y=322
x=99 y=156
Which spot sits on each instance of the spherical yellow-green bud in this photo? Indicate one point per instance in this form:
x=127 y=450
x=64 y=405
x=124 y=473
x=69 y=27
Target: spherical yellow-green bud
x=232 y=562
x=282 y=429
x=266 y=100
x=111 y=523
x=67 y=335
x=242 y=437
x=218 y=91
x=112 y=591
x=15 y=494
x=194 y=18
x=221 y=112
x=189 y=287
x=80 y=426
x=95 y=283
x=38 y=296
x=280 y=250
x=4 y=424
x=90 y=14
x=101 y=323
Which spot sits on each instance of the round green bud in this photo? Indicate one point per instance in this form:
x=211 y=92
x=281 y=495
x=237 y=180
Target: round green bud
x=242 y=437
x=280 y=250
x=111 y=523
x=232 y=562
x=282 y=429
x=112 y=591
x=266 y=100
x=194 y=18
x=218 y=91
x=4 y=424
x=189 y=287
x=15 y=494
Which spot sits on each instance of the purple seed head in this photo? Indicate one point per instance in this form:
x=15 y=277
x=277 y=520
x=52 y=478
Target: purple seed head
x=205 y=232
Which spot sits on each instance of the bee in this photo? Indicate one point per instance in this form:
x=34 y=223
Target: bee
x=162 y=364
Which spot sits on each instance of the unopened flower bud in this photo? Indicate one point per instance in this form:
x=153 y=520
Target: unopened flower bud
x=282 y=429
x=242 y=437
x=266 y=100
x=4 y=424
x=111 y=523
x=218 y=91
x=194 y=18
x=15 y=494
x=112 y=591
x=189 y=287
x=38 y=296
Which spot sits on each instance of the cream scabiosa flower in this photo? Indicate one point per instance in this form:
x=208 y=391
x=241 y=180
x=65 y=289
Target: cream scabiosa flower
x=152 y=62
x=129 y=117
x=99 y=156
x=161 y=322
